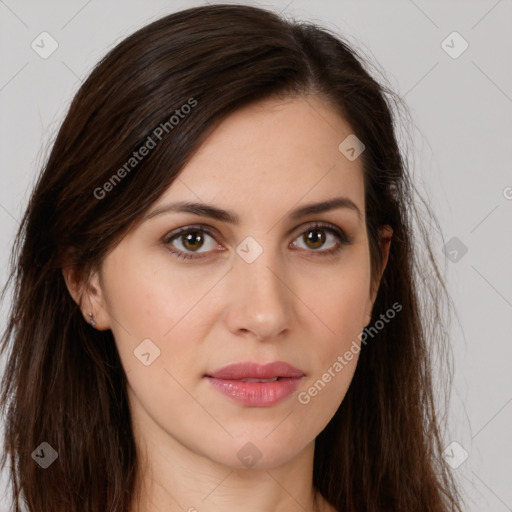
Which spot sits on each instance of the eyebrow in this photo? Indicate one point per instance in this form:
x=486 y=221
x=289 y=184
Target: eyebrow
x=207 y=210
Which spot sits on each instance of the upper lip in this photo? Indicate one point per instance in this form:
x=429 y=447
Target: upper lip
x=253 y=370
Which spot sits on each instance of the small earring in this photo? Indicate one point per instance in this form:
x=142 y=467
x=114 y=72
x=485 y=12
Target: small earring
x=92 y=322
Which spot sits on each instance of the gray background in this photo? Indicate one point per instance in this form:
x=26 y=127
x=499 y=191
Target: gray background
x=461 y=108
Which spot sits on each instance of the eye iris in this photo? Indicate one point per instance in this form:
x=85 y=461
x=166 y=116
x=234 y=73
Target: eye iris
x=191 y=238
x=318 y=237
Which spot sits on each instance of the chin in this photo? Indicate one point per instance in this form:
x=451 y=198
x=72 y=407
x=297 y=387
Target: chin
x=253 y=452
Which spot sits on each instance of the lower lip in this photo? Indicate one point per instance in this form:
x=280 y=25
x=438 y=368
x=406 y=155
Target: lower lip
x=256 y=394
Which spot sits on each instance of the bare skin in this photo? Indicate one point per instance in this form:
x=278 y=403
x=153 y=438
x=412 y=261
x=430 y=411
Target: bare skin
x=293 y=303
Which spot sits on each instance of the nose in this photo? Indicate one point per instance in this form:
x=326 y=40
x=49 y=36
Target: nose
x=260 y=298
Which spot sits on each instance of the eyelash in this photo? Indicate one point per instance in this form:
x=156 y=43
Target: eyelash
x=342 y=238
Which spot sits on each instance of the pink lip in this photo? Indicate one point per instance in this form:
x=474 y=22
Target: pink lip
x=229 y=381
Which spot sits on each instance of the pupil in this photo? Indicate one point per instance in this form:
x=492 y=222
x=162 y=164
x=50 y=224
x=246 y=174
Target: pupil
x=191 y=239
x=316 y=239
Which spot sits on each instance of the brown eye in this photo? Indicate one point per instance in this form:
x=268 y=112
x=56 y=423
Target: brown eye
x=187 y=242
x=192 y=241
x=314 y=238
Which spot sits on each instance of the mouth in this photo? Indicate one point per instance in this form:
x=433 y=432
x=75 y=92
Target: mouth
x=261 y=380
x=256 y=385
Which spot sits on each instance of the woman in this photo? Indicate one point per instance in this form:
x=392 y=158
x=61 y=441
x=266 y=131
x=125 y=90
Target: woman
x=216 y=295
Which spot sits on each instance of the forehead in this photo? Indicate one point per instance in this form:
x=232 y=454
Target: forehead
x=271 y=155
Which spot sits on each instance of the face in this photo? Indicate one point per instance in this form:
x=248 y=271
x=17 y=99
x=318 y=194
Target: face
x=187 y=294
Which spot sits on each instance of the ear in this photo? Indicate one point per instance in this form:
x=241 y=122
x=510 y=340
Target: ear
x=386 y=233
x=88 y=294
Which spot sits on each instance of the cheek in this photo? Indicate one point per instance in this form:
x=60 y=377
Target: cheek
x=154 y=301
x=336 y=353
x=339 y=307
x=324 y=391
x=338 y=303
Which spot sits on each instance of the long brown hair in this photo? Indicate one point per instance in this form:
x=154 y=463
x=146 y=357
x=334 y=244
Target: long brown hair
x=64 y=383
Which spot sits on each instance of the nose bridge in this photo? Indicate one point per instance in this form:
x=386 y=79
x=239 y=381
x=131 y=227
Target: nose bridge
x=261 y=301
